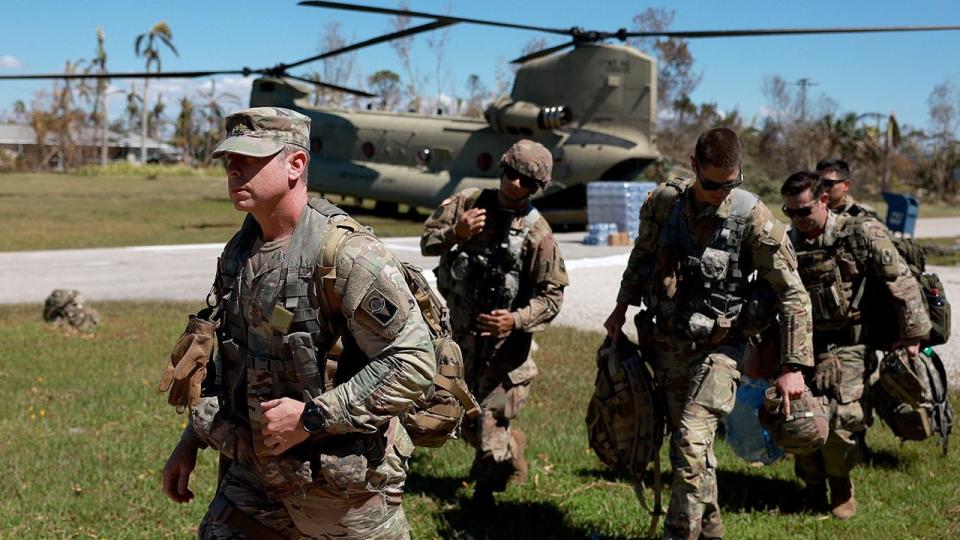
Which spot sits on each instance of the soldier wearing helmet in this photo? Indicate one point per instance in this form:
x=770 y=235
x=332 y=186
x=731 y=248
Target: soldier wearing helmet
x=502 y=275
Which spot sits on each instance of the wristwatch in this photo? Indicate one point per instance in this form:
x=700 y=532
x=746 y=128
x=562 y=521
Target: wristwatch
x=313 y=419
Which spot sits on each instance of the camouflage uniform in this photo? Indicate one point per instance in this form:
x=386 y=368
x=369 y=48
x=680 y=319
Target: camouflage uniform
x=699 y=374
x=535 y=280
x=853 y=208
x=836 y=267
x=346 y=481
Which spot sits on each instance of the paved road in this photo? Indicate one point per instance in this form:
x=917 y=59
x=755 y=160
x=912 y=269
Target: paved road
x=185 y=273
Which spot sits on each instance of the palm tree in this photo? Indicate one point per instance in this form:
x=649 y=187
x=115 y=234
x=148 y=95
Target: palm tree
x=147 y=47
x=100 y=106
x=213 y=115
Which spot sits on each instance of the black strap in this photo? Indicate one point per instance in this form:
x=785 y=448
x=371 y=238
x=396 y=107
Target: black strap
x=224 y=511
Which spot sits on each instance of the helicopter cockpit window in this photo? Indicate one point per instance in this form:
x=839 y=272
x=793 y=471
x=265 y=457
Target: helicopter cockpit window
x=316 y=144
x=484 y=162
x=368 y=150
x=424 y=156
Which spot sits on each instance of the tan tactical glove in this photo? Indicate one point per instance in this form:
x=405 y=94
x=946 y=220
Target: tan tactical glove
x=826 y=379
x=188 y=363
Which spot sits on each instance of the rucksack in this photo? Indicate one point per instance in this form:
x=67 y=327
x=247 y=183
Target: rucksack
x=911 y=396
x=934 y=295
x=625 y=417
x=436 y=416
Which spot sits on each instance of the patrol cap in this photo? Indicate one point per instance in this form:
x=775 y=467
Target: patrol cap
x=531 y=159
x=262 y=132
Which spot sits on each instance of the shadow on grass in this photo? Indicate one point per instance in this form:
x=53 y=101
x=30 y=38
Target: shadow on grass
x=884 y=459
x=738 y=491
x=507 y=520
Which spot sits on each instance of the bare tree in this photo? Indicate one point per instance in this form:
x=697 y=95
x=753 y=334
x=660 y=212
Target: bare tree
x=676 y=76
x=386 y=84
x=944 y=121
x=146 y=46
x=476 y=94
x=100 y=106
x=404 y=49
x=334 y=70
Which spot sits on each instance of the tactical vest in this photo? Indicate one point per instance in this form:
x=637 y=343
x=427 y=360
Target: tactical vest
x=712 y=285
x=834 y=280
x=462 y=266
x=278 y=351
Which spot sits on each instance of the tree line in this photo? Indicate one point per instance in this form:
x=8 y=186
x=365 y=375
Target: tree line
x=795 y=132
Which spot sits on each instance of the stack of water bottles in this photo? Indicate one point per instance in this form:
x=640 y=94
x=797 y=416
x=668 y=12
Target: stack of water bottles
x=614 y=207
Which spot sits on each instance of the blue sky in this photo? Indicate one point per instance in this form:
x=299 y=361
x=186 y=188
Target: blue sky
x=864 y=73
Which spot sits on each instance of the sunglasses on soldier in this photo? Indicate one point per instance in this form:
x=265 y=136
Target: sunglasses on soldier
x=802 y=212
x=710 y=185
x=526 y=182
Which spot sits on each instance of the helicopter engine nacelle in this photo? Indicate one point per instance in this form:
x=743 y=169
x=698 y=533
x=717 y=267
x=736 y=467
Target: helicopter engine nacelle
x=524 y=118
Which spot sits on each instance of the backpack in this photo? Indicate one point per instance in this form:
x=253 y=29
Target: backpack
x=436 y=416
x=934 y=295
x=911 y=396
x=625 y=417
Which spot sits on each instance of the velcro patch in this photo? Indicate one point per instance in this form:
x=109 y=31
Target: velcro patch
x=379 y=307
x=886 y=257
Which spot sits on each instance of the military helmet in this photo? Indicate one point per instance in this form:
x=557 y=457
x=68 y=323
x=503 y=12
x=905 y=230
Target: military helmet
x=531 y=159
x=263 y=131
x=804 y=430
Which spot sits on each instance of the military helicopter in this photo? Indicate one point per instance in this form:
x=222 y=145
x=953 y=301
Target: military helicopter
x=593 y=106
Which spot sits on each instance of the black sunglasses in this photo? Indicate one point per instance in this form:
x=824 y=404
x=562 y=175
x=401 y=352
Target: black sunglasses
x=829 y=183
x=803 y=211
x=710 y=185
x=526 y=182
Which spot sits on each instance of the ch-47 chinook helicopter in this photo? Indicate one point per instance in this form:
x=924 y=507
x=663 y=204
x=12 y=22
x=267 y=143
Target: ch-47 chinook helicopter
x=593 y=106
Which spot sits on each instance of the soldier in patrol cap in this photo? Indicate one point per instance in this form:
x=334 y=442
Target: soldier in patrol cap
x=844 y=259
x=835 y=174
x=698 y=242
x=304 y=455
x=494 y=243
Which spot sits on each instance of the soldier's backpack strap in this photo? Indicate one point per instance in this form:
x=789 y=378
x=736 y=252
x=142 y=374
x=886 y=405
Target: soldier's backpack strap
x=229 y=269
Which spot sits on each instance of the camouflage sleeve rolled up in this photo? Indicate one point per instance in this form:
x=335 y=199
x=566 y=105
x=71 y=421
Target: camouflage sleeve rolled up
x=653 y=213
x=548 y=277
x=776 y=263
x=384 y=320
x=885 y=264
x=438 y=235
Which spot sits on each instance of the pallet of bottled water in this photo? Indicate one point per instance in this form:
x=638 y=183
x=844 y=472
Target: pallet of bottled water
x=617 y=203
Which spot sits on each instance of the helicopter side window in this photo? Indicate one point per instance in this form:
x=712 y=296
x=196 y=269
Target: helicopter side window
x=484 y=162
x=368 y=150
x=316 y=144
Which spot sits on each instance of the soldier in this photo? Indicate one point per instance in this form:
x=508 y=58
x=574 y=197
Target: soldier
x=302 y=459
x=503 y=277
x=698 y=242
x=840 y=256
x=835 y=174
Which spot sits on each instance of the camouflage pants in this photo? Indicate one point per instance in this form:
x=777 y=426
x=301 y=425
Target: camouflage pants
x=322 y=513
x=699 y=388
x=501 y=385
x=839 y=455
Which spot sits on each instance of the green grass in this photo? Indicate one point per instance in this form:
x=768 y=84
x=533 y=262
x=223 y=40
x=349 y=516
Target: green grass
x=84 y=435
x=57 y=211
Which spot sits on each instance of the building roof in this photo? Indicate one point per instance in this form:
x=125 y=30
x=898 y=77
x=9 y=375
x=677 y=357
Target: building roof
x=23 y=134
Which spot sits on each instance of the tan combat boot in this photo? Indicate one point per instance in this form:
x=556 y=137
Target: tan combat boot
x=519 y=463
x=842 y=502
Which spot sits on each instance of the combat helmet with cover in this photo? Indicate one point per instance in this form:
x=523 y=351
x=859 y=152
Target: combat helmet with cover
x=801 y=432
x=625 y=416
x=531 y=159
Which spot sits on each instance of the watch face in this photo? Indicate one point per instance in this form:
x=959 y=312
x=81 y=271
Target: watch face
x=313 y=420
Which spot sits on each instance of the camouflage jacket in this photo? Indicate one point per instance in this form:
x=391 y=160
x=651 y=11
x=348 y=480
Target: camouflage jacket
x=542 y=273
x=839 y=265
x=851 y=207
x=650 y=278
x=377 y=317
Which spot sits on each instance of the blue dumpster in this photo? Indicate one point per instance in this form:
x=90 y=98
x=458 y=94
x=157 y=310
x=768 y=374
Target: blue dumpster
x=902 y=212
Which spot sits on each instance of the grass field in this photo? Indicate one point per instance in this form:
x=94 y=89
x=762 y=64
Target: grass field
x=84 y=435
x=55 y=211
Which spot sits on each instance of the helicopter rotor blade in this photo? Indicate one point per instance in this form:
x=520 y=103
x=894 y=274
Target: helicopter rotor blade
x=784 y=31
x=437 y=16
x=329 y=86
x=387 y=37
x=126 y=75
x=542 y=52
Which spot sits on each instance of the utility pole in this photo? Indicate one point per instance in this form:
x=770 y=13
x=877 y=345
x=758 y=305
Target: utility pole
x=803 y=84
